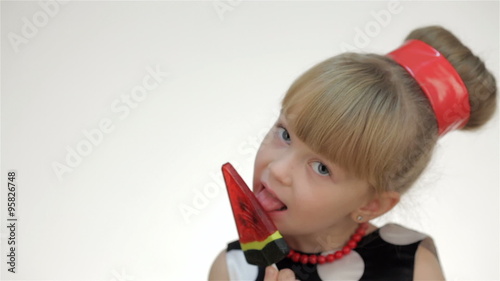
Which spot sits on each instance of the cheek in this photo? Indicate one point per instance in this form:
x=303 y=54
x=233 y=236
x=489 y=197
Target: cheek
x=325 y=205
x=264 y=153
x=307 y=201
x=269 y=139
x=261 y=161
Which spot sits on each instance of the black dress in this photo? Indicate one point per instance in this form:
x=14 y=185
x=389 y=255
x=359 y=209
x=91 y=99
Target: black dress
x=385 y=254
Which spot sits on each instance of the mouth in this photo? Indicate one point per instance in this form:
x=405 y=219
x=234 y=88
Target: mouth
x=269 y=201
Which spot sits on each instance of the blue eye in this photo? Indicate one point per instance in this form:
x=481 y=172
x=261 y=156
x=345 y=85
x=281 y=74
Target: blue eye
x=283 y=134
x=320 y=168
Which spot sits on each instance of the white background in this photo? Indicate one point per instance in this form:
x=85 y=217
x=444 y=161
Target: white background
x=117 y=214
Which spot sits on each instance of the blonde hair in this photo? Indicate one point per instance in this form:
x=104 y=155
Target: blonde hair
x=365 y=113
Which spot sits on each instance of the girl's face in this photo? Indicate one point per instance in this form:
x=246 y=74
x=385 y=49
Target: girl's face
x=302 y=192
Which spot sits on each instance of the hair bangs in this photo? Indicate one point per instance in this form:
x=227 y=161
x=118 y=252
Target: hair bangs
x=347 y=115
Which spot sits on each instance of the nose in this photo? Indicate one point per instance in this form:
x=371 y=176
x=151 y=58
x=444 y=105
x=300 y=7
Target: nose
x=281 y=169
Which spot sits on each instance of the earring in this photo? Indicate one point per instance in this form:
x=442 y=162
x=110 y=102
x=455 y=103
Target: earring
x=359 y=218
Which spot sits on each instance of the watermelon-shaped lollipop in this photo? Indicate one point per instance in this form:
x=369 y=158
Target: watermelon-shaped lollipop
x=260 y=240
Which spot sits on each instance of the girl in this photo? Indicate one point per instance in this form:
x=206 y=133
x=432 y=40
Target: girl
x=355 y=132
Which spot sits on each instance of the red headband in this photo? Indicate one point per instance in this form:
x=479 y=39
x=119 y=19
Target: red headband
x=439 y=81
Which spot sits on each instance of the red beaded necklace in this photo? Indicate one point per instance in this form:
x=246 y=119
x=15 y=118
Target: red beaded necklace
x=321 y=259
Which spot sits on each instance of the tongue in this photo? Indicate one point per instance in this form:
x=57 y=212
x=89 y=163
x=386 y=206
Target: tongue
x=268 y=201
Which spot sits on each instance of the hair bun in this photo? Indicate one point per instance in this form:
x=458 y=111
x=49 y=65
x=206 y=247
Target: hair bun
x=479 y=81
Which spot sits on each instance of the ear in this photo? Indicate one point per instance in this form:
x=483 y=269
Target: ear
x=378 y=205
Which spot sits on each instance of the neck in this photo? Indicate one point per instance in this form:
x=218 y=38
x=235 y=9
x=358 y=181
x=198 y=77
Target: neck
x=330 y=239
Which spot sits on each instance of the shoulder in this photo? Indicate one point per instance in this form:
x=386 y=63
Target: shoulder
x=427 y=266
x=399 y=235
x=218 y=271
